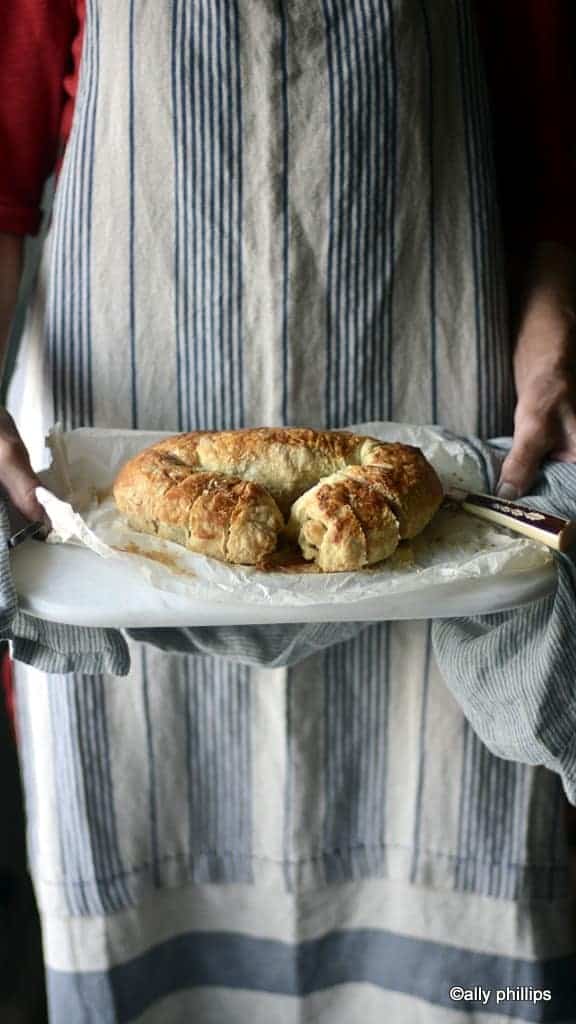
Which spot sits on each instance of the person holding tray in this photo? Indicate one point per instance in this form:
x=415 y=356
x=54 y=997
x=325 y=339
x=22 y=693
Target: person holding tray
x=285 y=214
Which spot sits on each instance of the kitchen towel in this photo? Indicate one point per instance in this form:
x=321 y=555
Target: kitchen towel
x=514 y=673
x=51 y=646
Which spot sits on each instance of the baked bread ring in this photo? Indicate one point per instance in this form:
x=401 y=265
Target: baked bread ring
x=348 y=499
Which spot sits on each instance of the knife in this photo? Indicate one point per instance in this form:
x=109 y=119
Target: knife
x=554 y=531
x=31 y=530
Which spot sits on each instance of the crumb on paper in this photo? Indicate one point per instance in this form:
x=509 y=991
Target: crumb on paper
x=155 y=556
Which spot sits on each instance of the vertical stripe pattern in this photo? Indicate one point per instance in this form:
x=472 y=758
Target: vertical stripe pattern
x=153 y=772
x=430 y=141
x=363 y=116
x=94 y=875
x=132 y=195
x=283 y=9
x=419 y=809
x=495 y=808
x=218 y=758
x=208 y=186
x=69 y=317
x=491 y=348
x=356 y=683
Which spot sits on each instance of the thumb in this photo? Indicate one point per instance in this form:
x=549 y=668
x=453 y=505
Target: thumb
x=529 y=447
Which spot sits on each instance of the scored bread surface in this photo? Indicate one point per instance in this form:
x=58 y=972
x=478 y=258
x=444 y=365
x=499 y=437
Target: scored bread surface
x=348 y=500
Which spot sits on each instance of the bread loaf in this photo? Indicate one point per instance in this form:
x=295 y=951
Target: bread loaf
x=347 y=499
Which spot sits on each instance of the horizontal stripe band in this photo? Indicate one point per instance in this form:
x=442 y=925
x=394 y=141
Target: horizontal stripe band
x=416 y=967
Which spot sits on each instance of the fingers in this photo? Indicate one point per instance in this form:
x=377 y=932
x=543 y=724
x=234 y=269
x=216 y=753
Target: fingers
x=532 y=442
x=565 y=450
x=537 y=435
x=17 y=477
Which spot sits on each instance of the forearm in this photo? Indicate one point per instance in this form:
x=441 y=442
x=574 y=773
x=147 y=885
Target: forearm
x=544 y=333
x=11 y=259
x=17 y=478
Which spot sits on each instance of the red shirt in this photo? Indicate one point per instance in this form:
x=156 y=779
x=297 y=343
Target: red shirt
x=40 y=46
x=527 y=54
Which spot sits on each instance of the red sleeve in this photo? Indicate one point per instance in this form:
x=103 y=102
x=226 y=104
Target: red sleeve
x=529 y=60
x=37 y=41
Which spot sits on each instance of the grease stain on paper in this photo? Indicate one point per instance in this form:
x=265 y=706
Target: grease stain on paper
x=155 y=556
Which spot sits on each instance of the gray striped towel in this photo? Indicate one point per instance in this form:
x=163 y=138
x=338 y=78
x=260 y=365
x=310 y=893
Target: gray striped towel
x=273 y=646
x=50 y=646
x=514 y=673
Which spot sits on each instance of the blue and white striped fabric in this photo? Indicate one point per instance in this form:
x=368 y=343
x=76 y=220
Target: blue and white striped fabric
x=52 y=646
x=280 y=212
x=513 y=673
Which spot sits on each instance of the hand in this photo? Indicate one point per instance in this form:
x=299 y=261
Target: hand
x=545 y=375
x=17 y=478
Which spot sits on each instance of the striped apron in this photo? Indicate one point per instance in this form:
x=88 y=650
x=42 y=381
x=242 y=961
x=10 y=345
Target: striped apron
x=280 y=213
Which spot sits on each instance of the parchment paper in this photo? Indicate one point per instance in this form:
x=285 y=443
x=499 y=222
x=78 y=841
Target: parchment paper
x=455 y=546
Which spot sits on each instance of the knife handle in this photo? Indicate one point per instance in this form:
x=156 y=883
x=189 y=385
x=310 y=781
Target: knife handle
x=554 y=531
x=31 y=530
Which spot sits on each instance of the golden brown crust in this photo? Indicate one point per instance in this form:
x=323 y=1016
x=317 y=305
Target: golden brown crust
x=213 y=514
x=350 y=498
x=344 y=524
x=408 y=480
x=285 y=461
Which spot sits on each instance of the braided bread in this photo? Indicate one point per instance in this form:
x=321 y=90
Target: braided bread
x=348 y=500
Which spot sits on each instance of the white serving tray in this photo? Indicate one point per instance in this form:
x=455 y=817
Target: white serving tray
x=73 y=585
